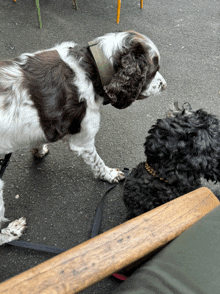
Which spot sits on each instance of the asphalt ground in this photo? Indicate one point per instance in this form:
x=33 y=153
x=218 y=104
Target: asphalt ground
x=59 y=195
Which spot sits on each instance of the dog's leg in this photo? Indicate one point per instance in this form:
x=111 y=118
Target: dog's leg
x=14 y=230
x=100 y=170
x=40 y=151
x=2 y=206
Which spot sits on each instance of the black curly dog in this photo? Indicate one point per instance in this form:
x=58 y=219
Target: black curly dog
x=180 y=149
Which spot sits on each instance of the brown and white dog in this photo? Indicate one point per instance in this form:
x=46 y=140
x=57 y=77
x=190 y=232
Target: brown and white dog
x=57 y=93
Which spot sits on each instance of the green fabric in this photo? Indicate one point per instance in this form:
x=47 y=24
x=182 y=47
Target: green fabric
x=188 y=265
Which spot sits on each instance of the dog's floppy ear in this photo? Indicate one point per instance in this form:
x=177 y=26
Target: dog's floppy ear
x=206 y=148
x=204 y=152
x=128 y=80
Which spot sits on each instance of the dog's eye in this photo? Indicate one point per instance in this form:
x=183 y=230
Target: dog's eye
x=155 y=60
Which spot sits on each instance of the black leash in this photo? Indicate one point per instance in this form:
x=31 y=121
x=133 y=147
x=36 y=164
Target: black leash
x=95 y=229
x=98 y=216
x=98 y=219
x=37 y=247
x=4 y=163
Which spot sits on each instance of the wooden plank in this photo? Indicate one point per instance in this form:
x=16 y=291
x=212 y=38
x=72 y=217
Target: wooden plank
x=95 y=259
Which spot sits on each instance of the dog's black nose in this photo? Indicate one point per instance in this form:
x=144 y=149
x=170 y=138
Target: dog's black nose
x=163 y=85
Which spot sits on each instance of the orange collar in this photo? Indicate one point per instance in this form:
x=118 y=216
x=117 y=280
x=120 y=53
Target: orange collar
x=153 y=172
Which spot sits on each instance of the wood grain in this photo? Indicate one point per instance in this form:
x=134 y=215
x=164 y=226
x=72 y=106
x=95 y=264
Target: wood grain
x=92 y=261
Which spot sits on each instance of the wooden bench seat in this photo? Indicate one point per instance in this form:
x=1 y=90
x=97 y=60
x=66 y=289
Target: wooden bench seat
x=96 y=259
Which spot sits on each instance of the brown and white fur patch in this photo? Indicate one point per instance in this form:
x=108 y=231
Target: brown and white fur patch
x=57 y=94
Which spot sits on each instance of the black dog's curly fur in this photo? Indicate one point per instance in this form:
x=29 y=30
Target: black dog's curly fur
x=182 y=148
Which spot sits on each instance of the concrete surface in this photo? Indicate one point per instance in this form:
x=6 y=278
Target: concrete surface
x=59 y=195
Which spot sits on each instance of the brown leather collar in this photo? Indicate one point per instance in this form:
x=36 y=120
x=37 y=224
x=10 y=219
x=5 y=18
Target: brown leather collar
x=105 y=68
x=153 y=172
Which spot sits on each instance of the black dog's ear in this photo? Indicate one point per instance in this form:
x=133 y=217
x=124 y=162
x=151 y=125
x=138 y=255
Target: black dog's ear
x=128 y=80
x=206 y=148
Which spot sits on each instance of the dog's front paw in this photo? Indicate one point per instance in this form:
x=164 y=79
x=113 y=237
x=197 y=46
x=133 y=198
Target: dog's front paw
x=113 y=175
x=13 y=231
